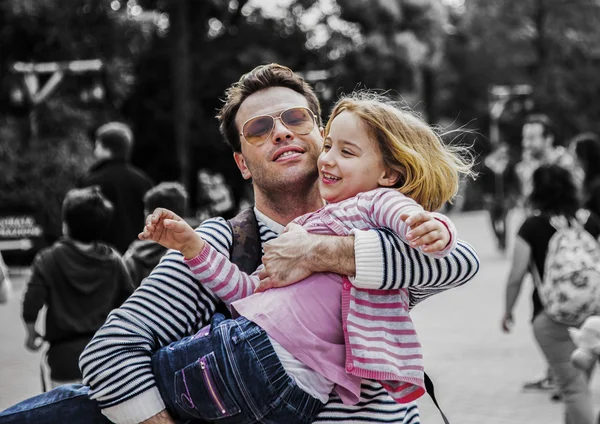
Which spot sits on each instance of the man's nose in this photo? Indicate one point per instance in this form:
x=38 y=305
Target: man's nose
x=281 y=132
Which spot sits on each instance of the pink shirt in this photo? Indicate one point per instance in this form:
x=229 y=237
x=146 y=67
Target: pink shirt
x=380 y=339
x=310 y=327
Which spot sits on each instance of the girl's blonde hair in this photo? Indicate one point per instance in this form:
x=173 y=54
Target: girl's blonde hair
x=430 y=169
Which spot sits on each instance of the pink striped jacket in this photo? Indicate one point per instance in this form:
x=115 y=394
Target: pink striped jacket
x=381 y=341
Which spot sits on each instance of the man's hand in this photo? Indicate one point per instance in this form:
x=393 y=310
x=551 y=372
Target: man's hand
x=296 y=254
x=426 y=232
x=286 y=258
x=171 y=231
x=162 y=417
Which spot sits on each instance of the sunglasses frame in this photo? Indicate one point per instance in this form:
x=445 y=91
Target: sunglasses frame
x=273 y=127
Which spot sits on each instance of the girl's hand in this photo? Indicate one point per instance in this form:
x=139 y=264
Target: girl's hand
x=426 y=232
x=171 y=231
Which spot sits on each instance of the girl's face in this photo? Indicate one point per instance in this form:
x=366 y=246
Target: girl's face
x=351 y=161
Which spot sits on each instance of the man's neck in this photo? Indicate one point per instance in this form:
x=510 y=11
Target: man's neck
x=285 y=207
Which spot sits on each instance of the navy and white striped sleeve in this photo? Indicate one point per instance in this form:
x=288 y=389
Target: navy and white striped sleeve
x=404 y=267
x=169 y=304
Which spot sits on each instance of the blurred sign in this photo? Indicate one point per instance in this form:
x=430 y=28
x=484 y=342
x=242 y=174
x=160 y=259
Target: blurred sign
x=16 y=232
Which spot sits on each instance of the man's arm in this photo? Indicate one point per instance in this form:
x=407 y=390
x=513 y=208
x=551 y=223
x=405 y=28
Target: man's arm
x=377 y=259
x=169 y=305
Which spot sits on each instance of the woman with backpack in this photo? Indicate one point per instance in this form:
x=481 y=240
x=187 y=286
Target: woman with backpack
x=558 y=245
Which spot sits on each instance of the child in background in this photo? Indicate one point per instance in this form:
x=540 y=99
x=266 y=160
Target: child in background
x=143 y=255
x=378 y=166
x=79 y=279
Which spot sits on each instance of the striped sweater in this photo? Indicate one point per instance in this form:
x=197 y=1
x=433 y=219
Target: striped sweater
x=381 y=341
x=170 y=305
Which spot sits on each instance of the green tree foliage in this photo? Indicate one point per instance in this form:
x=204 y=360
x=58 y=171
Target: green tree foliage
x=37 y=172
x=227 y=39
x=384 y=44
x=549 y=44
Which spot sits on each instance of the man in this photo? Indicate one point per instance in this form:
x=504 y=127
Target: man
x=170 y=304
x=538 y=149
x=122 y=183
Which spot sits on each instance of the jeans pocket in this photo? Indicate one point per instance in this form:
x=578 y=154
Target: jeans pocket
x=201 y=391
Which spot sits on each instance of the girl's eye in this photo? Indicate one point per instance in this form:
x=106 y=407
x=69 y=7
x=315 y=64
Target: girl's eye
x=347 y=152
x=326 y=147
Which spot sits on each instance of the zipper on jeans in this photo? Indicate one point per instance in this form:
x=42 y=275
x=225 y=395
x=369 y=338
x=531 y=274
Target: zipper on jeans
x=211 y=387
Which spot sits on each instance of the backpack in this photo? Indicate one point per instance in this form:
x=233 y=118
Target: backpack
x=570 y=290
x=246 y=249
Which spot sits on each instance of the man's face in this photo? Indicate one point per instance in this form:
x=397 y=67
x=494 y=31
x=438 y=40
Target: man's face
x=534 y=142
x=285 y=159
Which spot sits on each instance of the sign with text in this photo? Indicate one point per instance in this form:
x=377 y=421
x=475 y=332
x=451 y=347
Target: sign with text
x=19 y=227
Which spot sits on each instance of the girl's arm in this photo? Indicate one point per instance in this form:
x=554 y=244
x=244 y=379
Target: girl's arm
x=214 y=270
x=222 y=277
x=432 y=233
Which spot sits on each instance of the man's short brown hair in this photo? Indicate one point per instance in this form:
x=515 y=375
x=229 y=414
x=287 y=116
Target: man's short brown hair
x=261 y=78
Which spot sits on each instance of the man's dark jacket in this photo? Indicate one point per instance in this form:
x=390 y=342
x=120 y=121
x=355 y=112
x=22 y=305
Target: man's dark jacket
x=124 y=185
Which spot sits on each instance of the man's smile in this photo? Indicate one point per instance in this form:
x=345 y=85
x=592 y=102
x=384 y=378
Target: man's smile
x=287 y=153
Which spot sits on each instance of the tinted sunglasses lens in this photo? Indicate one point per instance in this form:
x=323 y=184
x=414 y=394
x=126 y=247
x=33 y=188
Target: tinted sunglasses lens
x=257 y=130
x=299 y=120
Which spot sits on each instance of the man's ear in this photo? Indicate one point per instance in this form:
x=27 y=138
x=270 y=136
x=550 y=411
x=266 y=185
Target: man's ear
x=389 y=178
x=241 y=164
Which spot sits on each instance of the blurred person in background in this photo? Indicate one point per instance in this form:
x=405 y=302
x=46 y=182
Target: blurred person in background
x=501 y=190
x=79 y=279
x=553 y=194
x=143 y=255
x=586 y=149
x=538 y=148
x=122 y=183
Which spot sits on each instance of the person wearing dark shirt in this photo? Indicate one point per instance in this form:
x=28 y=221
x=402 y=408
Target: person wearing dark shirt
x=143 y=255
x=79 y=279
x=501 y=186
x=554 y=195
x=122 y=183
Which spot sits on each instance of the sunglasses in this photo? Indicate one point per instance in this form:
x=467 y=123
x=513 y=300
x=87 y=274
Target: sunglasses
x=257 y=130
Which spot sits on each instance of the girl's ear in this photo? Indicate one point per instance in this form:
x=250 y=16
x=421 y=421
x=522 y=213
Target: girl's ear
x=241 y=164
x=389 y=178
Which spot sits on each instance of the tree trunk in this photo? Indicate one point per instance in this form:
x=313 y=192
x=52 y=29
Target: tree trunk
x=182 y=88
x=429 y=89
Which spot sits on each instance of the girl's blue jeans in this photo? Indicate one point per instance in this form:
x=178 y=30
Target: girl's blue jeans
x=227 y=373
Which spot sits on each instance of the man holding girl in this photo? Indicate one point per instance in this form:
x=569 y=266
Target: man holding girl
x=170 y=304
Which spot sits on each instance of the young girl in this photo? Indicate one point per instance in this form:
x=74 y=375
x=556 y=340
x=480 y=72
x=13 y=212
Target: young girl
x=378 y=166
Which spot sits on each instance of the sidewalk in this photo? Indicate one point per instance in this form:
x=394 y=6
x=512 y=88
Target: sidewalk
x=477 y=370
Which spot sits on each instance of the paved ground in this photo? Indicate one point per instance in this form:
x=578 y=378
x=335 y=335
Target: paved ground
x=476 y=368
